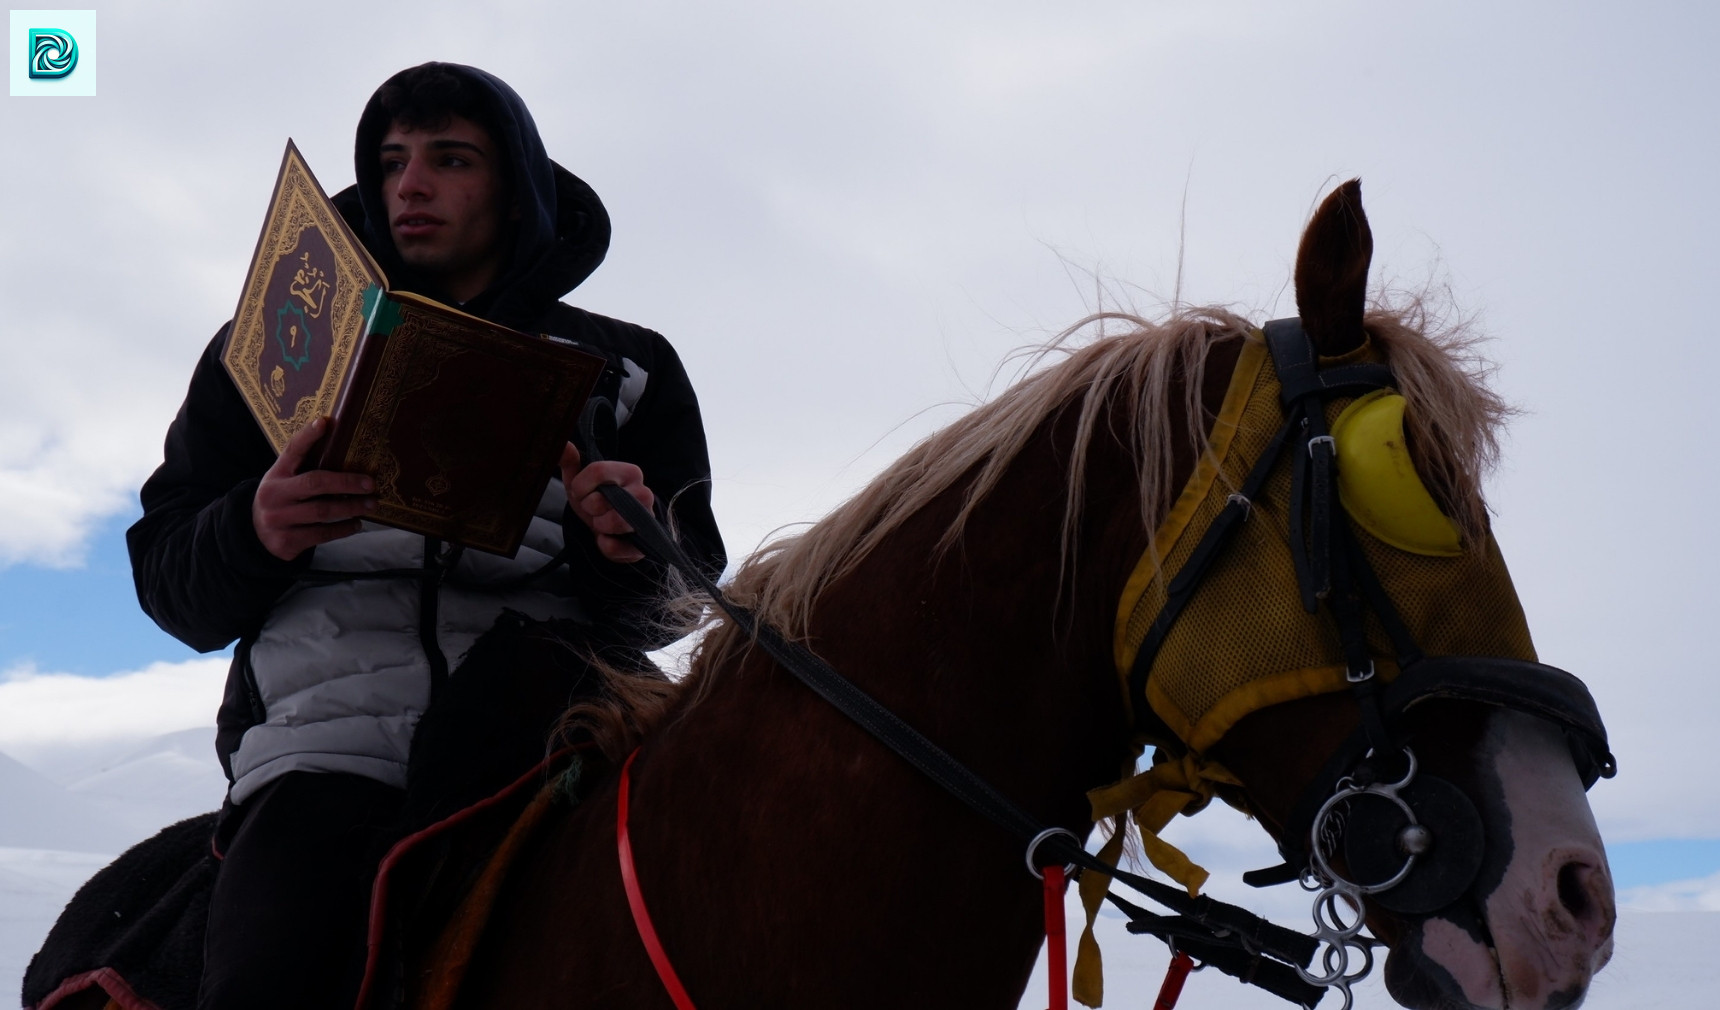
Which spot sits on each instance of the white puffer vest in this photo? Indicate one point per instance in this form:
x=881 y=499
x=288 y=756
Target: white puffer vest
x=340 y=666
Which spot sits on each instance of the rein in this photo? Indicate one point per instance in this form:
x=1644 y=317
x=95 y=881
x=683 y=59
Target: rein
x=1228 y=937
x=636 y=897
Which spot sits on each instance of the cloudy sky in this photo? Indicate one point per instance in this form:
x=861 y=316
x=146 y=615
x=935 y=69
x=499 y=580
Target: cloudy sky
x=846 y=217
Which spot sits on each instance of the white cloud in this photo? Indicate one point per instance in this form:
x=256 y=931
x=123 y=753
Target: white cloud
x=43 y=715
x=1699 y=895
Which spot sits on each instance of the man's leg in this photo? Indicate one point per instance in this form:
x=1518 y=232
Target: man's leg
x=288 y=915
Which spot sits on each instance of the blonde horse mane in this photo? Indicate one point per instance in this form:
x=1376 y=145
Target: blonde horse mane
x=1127 y=379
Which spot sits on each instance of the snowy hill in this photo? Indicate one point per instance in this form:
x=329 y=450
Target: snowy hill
x=73 y=809
x=38 y=813
x=161 y=781
x=104 y=798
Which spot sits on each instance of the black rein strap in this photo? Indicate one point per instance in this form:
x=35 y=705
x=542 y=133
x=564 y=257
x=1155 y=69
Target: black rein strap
x=1217 y=925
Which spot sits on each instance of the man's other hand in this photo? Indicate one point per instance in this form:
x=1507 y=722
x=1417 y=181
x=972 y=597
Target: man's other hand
x=594 y=510
x=296 y=511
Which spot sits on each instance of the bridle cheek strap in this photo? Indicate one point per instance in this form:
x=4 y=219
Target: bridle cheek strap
x=636 y=899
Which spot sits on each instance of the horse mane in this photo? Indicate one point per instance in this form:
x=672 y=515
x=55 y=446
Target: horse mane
x=1137 y=367
x=1124 y=380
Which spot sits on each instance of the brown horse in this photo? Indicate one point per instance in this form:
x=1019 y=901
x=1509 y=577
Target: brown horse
x=789 y=860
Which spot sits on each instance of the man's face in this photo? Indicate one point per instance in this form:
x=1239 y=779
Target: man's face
x=443 y=192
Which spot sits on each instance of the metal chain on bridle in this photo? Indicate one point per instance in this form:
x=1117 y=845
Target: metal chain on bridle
x=1338 y=910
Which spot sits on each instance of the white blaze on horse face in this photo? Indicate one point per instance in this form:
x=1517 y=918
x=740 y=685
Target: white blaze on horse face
x=1551 y=912
x=1552 y=915
x=1469 y=963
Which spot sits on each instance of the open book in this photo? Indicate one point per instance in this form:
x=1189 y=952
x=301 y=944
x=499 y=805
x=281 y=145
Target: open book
x=458 y=420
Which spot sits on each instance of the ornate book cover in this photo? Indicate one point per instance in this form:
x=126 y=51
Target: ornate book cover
x=460 y=421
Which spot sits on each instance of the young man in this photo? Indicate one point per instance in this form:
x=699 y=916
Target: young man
x=342 y=625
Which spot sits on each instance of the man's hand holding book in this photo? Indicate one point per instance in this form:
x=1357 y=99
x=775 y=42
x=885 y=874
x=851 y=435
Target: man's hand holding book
x=295 y=511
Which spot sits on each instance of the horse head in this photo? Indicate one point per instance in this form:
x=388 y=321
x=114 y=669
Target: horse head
x=1512 y=904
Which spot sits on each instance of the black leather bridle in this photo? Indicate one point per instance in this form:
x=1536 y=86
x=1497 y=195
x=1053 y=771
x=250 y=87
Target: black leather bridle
x=1414 y=840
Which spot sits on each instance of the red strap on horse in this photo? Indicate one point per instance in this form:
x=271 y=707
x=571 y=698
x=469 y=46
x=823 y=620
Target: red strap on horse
x=636 y=900
x=1056 y=940
x=1175 y=976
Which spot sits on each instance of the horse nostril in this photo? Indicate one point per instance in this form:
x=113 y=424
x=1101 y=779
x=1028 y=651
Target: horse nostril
x=1573 y=892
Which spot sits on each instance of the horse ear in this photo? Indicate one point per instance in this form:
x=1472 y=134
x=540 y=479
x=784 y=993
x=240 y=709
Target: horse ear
x=1332 y=271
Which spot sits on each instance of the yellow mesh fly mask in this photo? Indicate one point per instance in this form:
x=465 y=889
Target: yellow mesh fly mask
x=1245 y=641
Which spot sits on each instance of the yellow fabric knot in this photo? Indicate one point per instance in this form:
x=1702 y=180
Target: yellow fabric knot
x=1151 y=799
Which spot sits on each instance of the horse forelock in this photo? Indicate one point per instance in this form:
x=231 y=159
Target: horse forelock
x=1125 y=384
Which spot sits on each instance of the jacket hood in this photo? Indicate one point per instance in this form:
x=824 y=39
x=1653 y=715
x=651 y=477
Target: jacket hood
x=562 y=233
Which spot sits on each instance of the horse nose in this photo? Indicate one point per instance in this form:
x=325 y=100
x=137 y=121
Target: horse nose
x=1557 y=932
x=1579 y=912
x=1584 y=894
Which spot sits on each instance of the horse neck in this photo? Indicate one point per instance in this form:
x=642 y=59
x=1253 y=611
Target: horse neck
x=998 y=648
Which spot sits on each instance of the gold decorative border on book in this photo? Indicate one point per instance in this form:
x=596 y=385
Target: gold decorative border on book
x=298 y=205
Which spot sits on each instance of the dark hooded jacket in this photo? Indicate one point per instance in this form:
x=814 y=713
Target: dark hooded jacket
x=205 y=578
